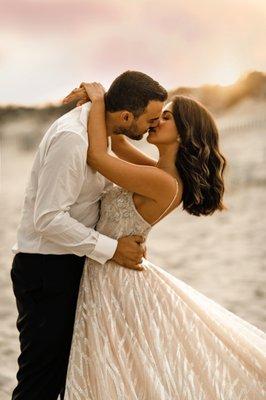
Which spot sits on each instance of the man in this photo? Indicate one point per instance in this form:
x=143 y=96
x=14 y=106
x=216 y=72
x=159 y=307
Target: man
x=57 y=232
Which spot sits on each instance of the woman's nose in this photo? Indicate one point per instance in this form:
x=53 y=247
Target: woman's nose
x=154 y=124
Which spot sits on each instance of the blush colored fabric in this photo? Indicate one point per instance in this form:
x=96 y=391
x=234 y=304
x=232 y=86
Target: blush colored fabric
x=147 y=335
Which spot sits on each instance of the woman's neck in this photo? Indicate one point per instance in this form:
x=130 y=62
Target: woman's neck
x=167 y=157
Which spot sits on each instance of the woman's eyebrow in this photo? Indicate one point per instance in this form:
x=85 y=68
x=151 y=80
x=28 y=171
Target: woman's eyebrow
x=167 y=111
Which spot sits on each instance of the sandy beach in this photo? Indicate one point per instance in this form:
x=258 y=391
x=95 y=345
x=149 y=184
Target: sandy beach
x=223 y=256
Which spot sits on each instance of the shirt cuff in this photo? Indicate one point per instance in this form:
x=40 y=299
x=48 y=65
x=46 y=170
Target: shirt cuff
x=104 y=249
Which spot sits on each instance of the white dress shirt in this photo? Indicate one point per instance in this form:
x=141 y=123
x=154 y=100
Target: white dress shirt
x=61 y=206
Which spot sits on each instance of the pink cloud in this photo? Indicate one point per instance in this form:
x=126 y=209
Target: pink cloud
x=179 y=42
x=46 y=15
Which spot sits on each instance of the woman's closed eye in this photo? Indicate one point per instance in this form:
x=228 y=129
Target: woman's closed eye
x=166 y=115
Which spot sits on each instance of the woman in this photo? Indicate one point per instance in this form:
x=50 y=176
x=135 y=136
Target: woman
x=148 y=335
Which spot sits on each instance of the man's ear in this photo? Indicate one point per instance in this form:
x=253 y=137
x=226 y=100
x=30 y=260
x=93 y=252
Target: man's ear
x=127 y=117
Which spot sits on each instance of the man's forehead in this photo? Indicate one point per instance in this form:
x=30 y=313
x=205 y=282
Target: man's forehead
x=154 y=107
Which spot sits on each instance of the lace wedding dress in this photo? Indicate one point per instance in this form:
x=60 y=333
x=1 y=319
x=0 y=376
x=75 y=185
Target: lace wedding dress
x=146 y=335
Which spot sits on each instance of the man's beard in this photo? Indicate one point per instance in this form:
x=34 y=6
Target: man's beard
x=131 y=133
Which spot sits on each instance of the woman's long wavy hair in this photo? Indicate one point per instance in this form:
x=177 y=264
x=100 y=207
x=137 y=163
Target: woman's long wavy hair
x=199 y=160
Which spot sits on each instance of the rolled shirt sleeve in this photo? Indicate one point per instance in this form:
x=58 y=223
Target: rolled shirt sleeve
x=60 y=181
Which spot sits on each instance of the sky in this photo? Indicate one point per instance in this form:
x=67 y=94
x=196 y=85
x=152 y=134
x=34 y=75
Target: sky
x=48 y=47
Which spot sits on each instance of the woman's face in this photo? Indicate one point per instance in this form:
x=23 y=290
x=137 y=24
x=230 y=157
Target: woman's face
x=166 y=131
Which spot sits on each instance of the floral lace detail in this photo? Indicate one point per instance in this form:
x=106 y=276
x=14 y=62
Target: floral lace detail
x=119 y=217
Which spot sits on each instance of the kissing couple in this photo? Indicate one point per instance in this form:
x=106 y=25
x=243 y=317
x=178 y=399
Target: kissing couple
x=96 y=319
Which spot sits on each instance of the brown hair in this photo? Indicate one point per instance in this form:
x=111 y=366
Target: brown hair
x=199 y=160
x=132 y=91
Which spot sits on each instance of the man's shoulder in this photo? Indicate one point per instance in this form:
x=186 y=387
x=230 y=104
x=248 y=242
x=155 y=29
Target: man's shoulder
x=69 y=126
x=75 y=118
x=70 y=122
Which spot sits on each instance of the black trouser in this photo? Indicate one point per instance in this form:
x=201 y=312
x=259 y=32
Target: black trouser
x=46 y=289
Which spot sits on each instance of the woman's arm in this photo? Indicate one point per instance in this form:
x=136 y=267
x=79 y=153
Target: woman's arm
x=120 y=144
x=125 y=150
x=146 y=180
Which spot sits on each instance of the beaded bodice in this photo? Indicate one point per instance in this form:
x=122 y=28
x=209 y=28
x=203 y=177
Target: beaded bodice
x=118 y=215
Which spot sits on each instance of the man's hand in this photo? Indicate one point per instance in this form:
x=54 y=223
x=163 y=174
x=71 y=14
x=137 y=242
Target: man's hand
x=129 y=252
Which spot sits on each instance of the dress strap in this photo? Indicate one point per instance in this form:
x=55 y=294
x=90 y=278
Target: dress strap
x=165 y=211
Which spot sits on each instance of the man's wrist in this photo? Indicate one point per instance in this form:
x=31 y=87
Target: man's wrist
x=104 y=249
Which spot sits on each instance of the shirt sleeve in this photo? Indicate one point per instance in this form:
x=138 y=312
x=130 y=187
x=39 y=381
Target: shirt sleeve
x=60 y=180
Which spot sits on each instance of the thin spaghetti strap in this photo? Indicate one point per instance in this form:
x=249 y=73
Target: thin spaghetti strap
x=165 y=211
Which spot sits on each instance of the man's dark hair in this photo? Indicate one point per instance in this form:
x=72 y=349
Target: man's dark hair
x=132 y=91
